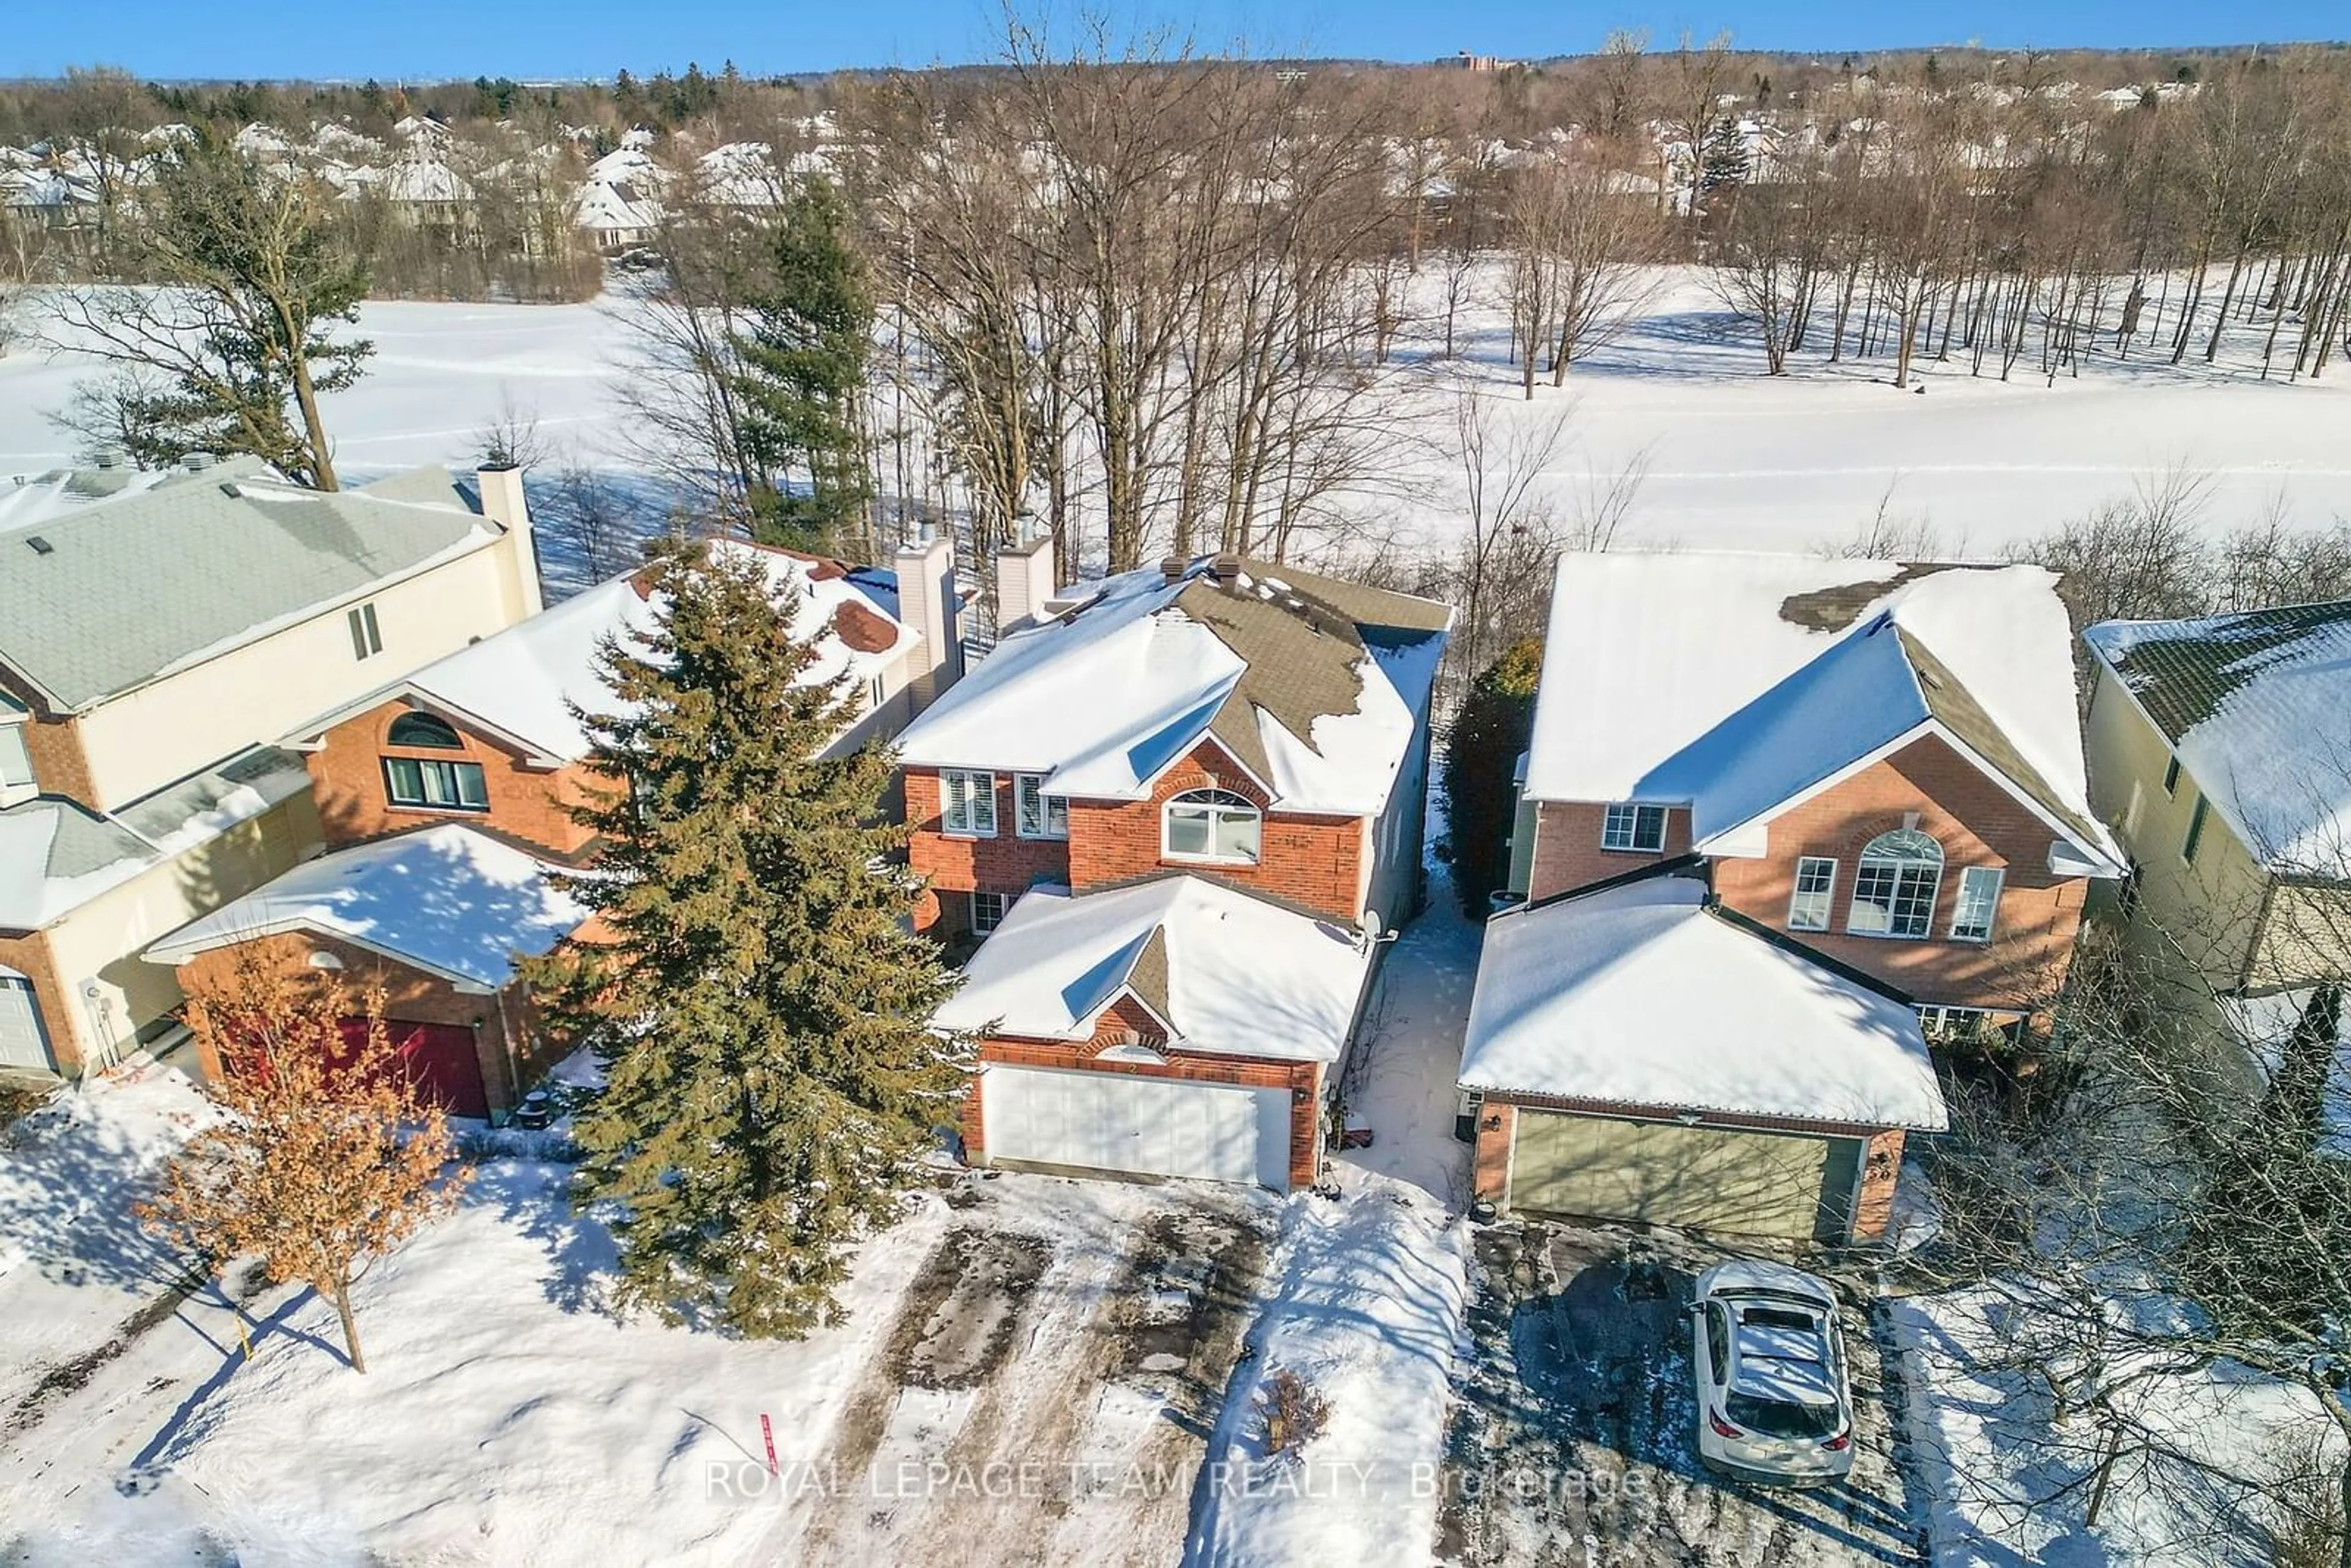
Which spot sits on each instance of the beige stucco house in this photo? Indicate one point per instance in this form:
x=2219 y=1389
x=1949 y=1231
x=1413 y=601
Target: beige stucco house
x=2221 y=750
x=153 y=646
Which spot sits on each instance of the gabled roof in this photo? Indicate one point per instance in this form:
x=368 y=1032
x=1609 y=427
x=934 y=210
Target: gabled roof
x=521 y=684
x=1637 y=995
x=1737 y=684
x=1224 y=971
x=2255 y=707
x=447 y=899
x=57 y=855
x=1312 y=686
x=192 y=568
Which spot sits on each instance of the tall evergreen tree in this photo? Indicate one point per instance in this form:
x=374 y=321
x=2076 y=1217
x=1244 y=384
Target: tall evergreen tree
x=1496 y=721
x=753 y=989
x=803 y=381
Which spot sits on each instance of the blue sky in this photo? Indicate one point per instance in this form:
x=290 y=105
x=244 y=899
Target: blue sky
x=409 y=39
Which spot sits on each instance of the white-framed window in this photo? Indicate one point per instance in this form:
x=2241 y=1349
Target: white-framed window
x=1212 y=825
x=967 y=803
x=367 y=638
x=987 y=911
x=1942 y=1023
x=1894 y=888
x=1976 y=907
x=430 y=784
x=1809 y=906
x=1037 y=815
x=1637 y=828
x=875 y=696
x=16 y=762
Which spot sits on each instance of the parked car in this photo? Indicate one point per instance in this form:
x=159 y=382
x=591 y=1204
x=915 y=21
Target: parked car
x=1773 y=1403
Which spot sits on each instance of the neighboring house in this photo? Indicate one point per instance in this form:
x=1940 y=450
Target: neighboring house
x=435 y=920
x=2221 y=750
x=490 y=734
x=153 y=647
x=1835 y=785
x=1174 y=810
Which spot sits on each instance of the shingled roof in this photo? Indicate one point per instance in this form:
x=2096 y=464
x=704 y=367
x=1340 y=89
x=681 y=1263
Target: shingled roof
x=199 y=565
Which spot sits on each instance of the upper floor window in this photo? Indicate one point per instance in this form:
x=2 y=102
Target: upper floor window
x=15 y=762
x=1634 y=827
x=2171 y=775
x=1039 y=815
x=1808 y=906
x=1213 y=825
x=1978 y=905
x=367 y=640
x=2195 y=830
x=1894 y=888
x=968 y=802
x=424 y=730
x=430 y=784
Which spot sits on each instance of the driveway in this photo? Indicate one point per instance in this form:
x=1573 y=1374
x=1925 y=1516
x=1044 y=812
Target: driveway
x=1570 y=1443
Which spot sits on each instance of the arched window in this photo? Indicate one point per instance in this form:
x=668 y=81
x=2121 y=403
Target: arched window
x=1212 y=825
x=1894 y=890
x=424 y=730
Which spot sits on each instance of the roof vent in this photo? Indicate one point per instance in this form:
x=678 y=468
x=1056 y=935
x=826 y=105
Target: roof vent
x=40 y=546
x=108 y=460
x=197 y=462
x=1174 y=568
x=232 y=489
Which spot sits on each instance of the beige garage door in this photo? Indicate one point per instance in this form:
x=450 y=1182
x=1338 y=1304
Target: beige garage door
x=1751 y=1184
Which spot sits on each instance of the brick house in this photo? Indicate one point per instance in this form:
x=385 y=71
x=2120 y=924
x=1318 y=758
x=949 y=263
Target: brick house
x=488 y=735
x=156 y=642
x=1872 y=772
x=437 y=918
x=1141 y=768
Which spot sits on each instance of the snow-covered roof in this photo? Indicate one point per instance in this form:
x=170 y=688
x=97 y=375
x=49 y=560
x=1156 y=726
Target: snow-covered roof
x=447 y=899
x=1225 y=971
x=2253 y=706
x=57 y=855
x=1637 y=995
x=523 y=682
x=1735 y=682
x=1312 y=685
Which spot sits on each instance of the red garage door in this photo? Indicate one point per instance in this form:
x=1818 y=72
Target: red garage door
x=440 y=1059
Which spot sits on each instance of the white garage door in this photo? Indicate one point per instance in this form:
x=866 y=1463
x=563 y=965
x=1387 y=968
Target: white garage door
x=21 y=1041
x=1142 y=1126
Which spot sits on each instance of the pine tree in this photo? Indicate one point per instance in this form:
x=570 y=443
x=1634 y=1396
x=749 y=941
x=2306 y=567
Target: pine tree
x=1482 y=804
x=753 y=985
x=803 y=381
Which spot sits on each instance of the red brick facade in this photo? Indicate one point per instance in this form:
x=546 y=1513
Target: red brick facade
x=1315 y=862
x=1302 y=1078
x=54 y=744
x=508 y=1041
x=526 y=803
x=1977 y=821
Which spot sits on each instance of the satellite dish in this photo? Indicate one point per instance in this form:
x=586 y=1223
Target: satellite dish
x=1370 y=923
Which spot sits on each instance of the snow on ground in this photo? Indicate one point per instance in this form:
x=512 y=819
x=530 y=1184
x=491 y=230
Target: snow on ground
x=74 y=1263
x=2006 y=1487
x=1736 y=459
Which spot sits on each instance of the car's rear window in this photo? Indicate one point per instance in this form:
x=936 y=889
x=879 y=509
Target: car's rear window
x=1781 y=1417
x=1778 y=1318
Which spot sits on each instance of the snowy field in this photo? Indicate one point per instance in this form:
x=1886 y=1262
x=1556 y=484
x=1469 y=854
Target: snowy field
x=1736 y=459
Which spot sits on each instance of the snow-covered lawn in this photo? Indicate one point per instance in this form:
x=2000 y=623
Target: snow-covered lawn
x=1736 y=459
x=2006 y=1485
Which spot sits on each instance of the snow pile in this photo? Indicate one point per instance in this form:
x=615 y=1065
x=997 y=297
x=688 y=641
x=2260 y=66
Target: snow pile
x=74 y=1263
x=1367 y=1312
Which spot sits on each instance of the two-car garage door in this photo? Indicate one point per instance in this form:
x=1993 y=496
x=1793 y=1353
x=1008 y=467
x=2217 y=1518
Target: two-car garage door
x=1137 y=1125
x=1704 y=1179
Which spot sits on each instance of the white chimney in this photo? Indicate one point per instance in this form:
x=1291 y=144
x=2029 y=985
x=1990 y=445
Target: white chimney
x=927 y=602
x=1024 y=577
x=504 y=503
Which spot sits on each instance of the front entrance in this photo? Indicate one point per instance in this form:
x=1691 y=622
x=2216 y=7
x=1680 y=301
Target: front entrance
x=1791 y=1184
x=1136 y=1125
